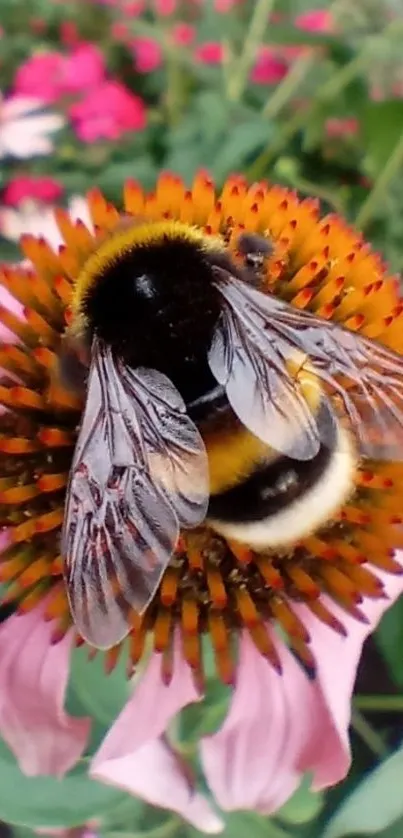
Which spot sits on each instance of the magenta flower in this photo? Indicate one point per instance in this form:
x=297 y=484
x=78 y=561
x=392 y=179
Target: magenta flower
x=269 y=67
x=183 y=34
x=31 y=188
x=338 y=127
x=285 y=626
x=51 y=75
x=147 y=54
x=315 y=20
x=165 y=8
x=107 y=112
x=224 y=6
x=211 y=52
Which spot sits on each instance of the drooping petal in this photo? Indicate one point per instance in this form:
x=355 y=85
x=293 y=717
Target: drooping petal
x=132 y=755
x=252 y=762
x=154 y=773
x=338 y=660
x=282 y=726
x=33 y=679
x=148 y=712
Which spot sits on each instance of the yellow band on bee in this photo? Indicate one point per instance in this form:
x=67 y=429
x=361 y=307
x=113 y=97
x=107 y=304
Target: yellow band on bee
x=234 y=452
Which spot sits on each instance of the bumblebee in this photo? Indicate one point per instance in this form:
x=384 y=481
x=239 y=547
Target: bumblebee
x=206 y=400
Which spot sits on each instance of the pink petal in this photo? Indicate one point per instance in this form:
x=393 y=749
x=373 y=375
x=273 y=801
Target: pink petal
x=33 y=679
x=251 y=763
x=338 y=659
x=8 y=301
x=147 y=713
x=154 y=773
x=134 y=758
x=280 y=727
x=315 y=20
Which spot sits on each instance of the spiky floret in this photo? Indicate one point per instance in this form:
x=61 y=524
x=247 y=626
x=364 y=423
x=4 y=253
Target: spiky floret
x=212 y=585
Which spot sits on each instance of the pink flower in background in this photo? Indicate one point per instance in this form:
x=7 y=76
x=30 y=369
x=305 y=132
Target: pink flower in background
x=165 y=7
x=39 y=76
x=315 y=20
x=134 y=8
x=69 y=33
x=38 y=25
x=24 y=129
x=348 y=127
x=147 y=54
x=31 y=187
x=120 y=31
x=224 y=6
x=183 y=34
x=211 y=52
x=51 y=74
x=269 y=68
x=107 y=112
x=83 y=68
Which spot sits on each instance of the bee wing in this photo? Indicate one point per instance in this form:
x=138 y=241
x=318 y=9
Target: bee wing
x=175 y=451
x=362 y=379
x=250 y=360
x=120 y=525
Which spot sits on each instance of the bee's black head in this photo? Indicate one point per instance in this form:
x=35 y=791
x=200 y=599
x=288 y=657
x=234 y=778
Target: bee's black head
x=157 y=306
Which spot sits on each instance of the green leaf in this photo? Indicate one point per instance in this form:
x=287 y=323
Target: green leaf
x=245 y=825
x=374 y=805
x=389 y=639
x=37 y=802
x=205 y=717
x=382 y=126
x=241 y=824
x=303 y=806
x=99 y=694
x=244 y=142
x=112 y=179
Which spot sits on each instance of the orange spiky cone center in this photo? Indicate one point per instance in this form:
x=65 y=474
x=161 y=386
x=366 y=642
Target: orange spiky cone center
x=211 y=586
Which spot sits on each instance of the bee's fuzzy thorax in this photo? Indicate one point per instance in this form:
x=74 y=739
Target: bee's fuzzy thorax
x=143 y=292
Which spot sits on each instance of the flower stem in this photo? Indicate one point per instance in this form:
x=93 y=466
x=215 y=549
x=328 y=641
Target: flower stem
x=175 y=89
x=366 y=732
x=380 y=703
x=392 y=167
x=287 y=87
x=239 y=76
x=327 y=91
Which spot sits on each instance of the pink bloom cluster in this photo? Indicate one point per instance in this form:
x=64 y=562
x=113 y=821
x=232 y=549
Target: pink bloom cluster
x=272 y=63
x=31 y=188
x=105 y=109
x=108 y=111
x=51 y=75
